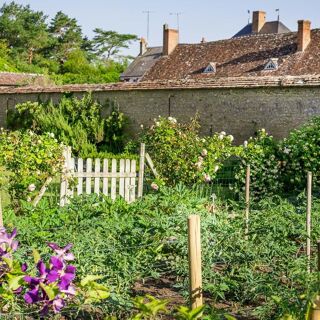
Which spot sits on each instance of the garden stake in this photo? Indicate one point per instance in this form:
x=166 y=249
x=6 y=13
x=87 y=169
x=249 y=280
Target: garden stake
x=141 y=170
x=247 y=201
x=1 y=216
x=308 y=220
x=195 y=275
x=315 y=313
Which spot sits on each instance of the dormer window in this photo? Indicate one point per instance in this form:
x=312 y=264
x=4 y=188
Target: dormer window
x=210 y=68
x=272 y=64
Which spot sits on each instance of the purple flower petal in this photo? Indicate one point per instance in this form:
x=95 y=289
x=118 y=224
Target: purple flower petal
x=58 y=304
x=66 y=279
x=70 y=269
x=31 y=280
x=71 y=290
x=53 y=276
x=18 y=291
x=42 y=268
x=31 y=296
x=69 y=256
x=24 y=267
x=56 y=263
x=53 y=246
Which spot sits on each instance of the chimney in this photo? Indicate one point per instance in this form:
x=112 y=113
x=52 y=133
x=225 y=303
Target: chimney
x=170 y=40
x=258 y=21
x=203 y=40
x=143 y=46
x=304 y=34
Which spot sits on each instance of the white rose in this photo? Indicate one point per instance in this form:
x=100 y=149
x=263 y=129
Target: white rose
x=231 y=137
x=206 y=178
x=32 y=187
x=216 y=168
x=221 y=137
x=154 y=186
x=204 y=152
x=245 y=144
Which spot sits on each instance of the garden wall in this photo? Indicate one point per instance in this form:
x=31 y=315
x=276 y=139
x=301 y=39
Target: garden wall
x=239 y=112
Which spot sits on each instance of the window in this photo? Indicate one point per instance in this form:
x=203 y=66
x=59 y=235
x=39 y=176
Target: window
x=211 y=68
x=272 y=65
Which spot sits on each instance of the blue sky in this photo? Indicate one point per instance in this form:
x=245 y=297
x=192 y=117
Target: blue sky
x=200 y=18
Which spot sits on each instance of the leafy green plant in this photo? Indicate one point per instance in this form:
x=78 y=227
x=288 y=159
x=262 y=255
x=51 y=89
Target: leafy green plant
x=31 y=159
x=149 y=309
x=181 y=155
x=75 y=122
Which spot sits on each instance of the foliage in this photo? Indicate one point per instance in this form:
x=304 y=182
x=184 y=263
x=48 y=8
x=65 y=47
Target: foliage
x=74 y=122
x=148 y=239
x=300 y=154
x=109 y=43
x=181 y=155
x=58 y=47
x=50 y=286
x=262 y=154
x=32 y=159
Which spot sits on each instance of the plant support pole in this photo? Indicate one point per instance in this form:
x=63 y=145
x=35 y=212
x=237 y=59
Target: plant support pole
x=308 y=218
x=247 y=200
x=315 y=312
x=141 y=170
x=195 y=274
x=1 y=213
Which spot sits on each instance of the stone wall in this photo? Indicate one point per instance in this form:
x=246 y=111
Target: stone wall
x=240 y=112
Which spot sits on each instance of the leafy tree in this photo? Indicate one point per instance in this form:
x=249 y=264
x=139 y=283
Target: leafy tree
x=24 y=29
x=66 y=36
x=109 y=43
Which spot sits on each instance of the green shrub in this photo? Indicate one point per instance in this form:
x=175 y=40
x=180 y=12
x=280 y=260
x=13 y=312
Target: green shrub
x=75 y=122
x=181 y=155
x=262 y=154
x=300 y=153
x=30 y=159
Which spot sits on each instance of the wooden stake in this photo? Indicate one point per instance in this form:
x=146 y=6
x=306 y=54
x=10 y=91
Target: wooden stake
x=141 y=170
x=308 y=218
x=247 y=200
x=42 y=191
x=315 y=313
x=151 y=165
x=195 y=275
x=1 y=213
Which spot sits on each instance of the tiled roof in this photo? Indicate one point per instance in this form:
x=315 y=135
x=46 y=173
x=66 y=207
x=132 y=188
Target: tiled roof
x=269 y=27
x=143 y=63
x=20 y=79
x=240 y=57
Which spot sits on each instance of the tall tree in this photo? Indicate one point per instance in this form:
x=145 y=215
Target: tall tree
x=108 y=44
x=66 y=34
x=24 y=29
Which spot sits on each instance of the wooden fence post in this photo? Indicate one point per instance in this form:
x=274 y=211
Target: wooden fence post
x=315 y=312
x=141 y=170
x=1 y=213
x=247 y=200
x=64 y=176
x=195 y=274
x=308 y=218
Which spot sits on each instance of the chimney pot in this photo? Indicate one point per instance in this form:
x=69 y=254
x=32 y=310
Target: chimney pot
x=143 y=46
x=258 y=21
x=304 y=34
x=170 y=40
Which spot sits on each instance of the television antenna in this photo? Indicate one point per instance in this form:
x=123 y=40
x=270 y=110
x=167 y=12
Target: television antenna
x=147 y=12
x=177 y=14
x=249 y=16
x=278 y=10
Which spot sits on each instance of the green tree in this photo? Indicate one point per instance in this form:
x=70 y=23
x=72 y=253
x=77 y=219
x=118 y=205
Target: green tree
x=108 y=44
x=66 y=36
x=24 y=29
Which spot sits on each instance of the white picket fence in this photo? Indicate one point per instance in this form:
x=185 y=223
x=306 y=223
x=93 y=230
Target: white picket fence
x=110 y=177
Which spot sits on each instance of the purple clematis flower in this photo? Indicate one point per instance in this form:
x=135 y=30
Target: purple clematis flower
x=63 y=253
x=8 y=241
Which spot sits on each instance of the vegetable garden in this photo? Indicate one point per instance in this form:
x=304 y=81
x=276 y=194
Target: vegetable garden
x=102 y=258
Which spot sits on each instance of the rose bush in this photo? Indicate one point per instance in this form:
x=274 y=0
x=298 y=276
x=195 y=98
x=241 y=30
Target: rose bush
x=30 y=159
x=181 y=155
x=262 y=154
